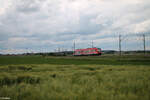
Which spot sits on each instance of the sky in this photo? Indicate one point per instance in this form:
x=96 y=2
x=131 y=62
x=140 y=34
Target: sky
x=46 y=25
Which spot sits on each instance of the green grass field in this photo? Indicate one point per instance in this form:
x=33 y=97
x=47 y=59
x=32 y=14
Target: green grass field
x=75 y=78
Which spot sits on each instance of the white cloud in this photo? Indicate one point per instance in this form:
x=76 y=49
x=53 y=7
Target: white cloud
x=57 y=22
x=4 y=6
x=142 y=27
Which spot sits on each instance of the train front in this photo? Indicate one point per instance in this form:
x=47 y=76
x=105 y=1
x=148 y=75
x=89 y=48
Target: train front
x=99 y=51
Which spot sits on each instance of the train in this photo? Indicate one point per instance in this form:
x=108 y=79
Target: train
x=88 y=52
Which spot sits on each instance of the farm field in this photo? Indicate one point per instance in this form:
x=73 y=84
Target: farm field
x=107 y=77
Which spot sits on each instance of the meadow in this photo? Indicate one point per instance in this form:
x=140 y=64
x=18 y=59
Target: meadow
x=107 y=77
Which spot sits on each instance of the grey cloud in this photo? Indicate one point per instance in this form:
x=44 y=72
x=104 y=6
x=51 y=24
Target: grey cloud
x=47 y=23
x=27 y=6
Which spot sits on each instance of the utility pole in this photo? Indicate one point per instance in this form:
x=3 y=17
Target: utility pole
x=92 y=43
x=58 y=49
x=144 y=42
x=74 y=46
x=120 y=45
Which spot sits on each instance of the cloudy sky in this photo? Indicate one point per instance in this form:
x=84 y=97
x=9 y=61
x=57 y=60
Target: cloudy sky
x=46 y=25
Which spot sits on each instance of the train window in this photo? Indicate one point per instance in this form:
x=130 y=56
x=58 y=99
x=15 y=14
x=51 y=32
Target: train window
x=90 y=50
x=93 y=50
x=86 y=51
x=99 y=49
x=77 y=52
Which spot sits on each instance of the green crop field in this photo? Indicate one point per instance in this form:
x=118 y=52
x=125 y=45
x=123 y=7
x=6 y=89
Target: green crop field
x=108 y=77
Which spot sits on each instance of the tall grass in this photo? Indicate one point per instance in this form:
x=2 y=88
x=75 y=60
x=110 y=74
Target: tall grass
x=75 y=82
x=75 y=78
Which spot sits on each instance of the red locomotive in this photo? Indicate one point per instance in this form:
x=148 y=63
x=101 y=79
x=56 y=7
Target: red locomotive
x=88 y=51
